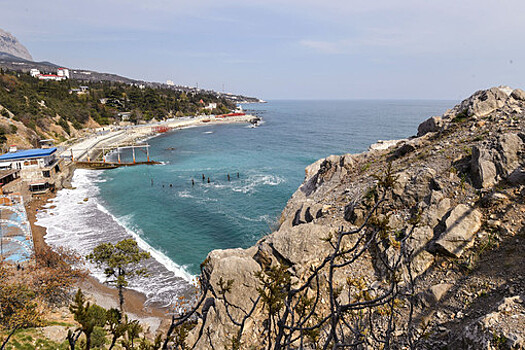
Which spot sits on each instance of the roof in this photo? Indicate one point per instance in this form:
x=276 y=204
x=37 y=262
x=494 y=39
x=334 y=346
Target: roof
x=29 y=153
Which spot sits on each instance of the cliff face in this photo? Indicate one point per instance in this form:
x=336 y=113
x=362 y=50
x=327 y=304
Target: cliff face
x=9 y=44
x=456 y=205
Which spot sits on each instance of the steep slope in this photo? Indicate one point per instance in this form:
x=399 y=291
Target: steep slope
x=419 y=246
x=10 y=45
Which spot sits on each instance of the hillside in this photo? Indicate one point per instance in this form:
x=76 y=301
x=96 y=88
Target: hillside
x=13 y=63
x=31 y=109
x=417 y=246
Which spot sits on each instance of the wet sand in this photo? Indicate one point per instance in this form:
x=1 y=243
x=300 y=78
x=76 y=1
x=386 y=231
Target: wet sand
x=102 y=294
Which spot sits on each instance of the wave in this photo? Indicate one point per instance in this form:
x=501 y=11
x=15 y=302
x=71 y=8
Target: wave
x=250 y=184
x=81 y=225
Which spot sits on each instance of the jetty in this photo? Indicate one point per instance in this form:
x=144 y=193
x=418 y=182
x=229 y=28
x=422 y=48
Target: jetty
x=100 y=156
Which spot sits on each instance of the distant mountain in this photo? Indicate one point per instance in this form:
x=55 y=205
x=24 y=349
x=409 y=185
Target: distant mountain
x=9 y=44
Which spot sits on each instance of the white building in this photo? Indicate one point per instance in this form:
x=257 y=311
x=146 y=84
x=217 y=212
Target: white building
x=211 y=106
x=170 y=83
x=34 y=72
x=63 y=72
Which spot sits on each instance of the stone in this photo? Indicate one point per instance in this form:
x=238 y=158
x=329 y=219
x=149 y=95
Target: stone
x=518 y=94
x=55 y=333
x=482 y=167
x=432 y=124
x=403 y=150
x=509 y=146
x=301 y=244
x=461 y=225
x=434 y=294
x=517 y=177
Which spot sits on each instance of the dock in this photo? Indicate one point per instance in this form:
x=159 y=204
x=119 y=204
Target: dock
x=100 y=165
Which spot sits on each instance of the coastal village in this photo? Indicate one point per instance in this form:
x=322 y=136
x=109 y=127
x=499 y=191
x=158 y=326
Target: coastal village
x=26 y=174
x=415 y=243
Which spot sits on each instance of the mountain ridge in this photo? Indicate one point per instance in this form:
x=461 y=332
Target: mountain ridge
x=9 y=44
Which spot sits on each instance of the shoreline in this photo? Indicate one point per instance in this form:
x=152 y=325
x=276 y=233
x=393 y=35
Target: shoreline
x=152 y=316
x=104 y=295
x=88 y=145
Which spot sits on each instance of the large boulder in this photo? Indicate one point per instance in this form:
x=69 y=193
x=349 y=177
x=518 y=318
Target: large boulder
x=301 y=244
x=509 y=148
x=462 y=223
x=518 y=94
x=483 y=168
x=496 y=160
x=432 y=124
x=486 y=102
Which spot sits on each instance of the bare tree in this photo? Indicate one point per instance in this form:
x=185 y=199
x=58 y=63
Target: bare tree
x=320 y=312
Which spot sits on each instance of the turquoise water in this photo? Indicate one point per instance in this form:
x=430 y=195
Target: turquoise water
x=187 y=221
x=181 y=223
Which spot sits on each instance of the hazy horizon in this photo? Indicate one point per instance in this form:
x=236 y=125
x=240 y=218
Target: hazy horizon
x=303 y=50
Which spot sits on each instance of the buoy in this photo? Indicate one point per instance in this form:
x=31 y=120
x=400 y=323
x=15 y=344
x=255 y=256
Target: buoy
x=171 y=185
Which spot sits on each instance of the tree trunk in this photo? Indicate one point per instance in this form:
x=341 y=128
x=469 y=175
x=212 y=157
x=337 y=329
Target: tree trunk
x=120 y=290
x=113 y=342
x=88 y=341
x=8 y=337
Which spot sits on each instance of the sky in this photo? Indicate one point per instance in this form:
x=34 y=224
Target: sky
x=286 y=49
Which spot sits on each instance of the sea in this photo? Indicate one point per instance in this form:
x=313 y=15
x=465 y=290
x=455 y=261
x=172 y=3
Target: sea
x=173 y=211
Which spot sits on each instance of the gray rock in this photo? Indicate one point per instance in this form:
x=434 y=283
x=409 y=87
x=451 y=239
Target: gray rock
x=434 y=294
x=9 y=44
x=432 y=124
x=509 y=146
x=518 y=94
x=438 y=206
x=483 y=168
x=461 y=225
x=517 y=177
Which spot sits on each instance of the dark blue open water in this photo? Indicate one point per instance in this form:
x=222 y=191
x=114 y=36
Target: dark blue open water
x=181 y=223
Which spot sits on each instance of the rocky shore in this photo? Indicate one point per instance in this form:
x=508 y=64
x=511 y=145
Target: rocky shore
x=457 y=205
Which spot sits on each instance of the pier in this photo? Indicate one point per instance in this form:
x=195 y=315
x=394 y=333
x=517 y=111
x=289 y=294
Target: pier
x=100 y=155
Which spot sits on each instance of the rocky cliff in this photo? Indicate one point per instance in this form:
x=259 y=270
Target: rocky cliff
x=10 y=45
x=434 y=222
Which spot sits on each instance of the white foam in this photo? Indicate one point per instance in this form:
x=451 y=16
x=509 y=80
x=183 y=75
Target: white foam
x=178 y=270
x=74 y=224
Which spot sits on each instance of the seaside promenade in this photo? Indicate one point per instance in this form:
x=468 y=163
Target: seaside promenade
x=115 y=136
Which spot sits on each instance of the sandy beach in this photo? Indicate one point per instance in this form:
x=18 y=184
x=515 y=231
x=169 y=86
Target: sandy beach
x=99 y=293
x=153 y=316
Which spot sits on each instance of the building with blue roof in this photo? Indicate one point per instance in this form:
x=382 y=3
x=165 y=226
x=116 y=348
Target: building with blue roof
x=37 y=166
x=28 y=154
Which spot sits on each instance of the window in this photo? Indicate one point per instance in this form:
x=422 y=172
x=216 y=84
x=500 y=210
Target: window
x=46 y=173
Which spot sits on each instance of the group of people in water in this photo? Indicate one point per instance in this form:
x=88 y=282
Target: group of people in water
x=203 y=179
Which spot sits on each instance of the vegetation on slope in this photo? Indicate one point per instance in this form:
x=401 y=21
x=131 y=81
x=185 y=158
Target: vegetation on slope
x=51 y=109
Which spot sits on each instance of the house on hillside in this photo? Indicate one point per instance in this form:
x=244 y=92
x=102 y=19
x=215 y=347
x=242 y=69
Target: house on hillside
x=62 y=74
x=37 y=167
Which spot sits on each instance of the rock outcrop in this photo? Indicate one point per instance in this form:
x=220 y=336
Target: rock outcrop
x=461 y=224
x=457 y=193
x=10 y=45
